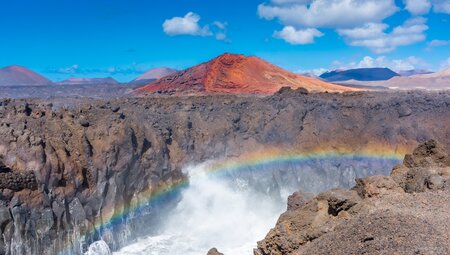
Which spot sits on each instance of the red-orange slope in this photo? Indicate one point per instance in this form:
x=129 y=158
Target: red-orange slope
x=236 y=74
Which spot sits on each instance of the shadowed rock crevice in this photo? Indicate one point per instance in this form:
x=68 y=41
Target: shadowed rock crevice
x=18 y=181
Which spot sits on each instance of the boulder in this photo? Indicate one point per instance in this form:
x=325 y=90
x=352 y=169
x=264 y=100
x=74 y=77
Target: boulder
x=374 y=186
x=297 y=227
x=298 y=200
x=426 y=168
x=339 y=200
x=214 y=251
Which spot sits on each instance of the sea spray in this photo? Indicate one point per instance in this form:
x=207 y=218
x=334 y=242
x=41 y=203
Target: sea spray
x=234 y=207
x=98 y=248
x=214 y=211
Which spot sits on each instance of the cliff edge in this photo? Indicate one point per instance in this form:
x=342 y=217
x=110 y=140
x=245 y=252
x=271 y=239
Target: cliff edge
x=407 y=212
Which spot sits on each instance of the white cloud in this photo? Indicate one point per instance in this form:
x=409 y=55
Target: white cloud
x=79 y=70
x=437 y=43
x=221 y=31
x=442 y=6
x=291 y=1
x=68 y=70
x=220 y=25
x=294 y=36
x=368 y=30
x=398 y=65
x=445 y=63
x=313 y=72
x=360 y=22
x=221 y=36
x=187 y=25
x=373 y=36
x=327 y=13
x=408 y=63
x=417 y=7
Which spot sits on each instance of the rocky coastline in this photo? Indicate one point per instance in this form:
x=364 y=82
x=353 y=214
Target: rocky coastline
x=68 y=168
x=407 y=212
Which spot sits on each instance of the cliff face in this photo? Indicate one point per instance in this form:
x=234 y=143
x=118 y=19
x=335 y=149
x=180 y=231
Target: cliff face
x=404 y=213
x=67 y=171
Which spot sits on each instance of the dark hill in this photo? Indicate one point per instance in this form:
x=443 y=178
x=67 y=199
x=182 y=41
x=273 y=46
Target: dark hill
x=360 y=74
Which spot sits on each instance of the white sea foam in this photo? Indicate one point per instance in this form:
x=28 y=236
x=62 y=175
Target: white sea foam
x=98 y=248
x=213 y=212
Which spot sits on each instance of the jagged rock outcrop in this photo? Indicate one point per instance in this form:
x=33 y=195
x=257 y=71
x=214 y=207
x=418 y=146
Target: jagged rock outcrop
x=214 y=251
x=298 y=200
x=94 y=159
x=405 y=213
x=427 y=168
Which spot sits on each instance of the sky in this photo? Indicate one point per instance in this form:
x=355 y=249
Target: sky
x=124 y=38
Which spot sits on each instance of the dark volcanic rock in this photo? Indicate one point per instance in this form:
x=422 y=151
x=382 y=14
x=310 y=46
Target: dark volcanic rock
x=298 y=200
x=339 y=200
x=214 y=251
x=374 y=186
x=86 y=172
x=428 y=167
x=18 y=181
x=302 y=225
x=383 y=219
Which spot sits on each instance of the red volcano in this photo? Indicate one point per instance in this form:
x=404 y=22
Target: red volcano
x=235 y=74
x=18 y=75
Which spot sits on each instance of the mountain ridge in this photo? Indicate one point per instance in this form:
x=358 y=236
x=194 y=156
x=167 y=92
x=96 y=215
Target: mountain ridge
x=88 y=81
x=156 y=73
x=360 y=74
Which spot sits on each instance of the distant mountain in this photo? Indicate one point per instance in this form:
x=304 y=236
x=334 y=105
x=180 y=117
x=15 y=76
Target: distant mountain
x=21 y=76
x=413 y=72
x=434 y=81
x=441 y=74
x=311 y=75
x=360 y=74
x=88 y=81
x=156 y=73
x=152 y=75
x=235 y=74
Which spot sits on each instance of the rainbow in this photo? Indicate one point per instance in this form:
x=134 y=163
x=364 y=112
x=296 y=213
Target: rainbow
x=261 y=159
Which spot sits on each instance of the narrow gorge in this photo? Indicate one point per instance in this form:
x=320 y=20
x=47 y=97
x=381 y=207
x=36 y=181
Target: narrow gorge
x=112 y=170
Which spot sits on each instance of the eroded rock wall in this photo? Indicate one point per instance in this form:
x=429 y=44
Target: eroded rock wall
x=92 y=161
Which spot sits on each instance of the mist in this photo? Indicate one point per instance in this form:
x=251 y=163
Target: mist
x=232 y=211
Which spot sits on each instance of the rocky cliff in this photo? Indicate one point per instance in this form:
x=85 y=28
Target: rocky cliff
x=69 y=172
x=407 y=212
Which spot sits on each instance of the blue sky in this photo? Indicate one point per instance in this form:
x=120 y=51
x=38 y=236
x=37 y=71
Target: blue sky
x=96 y=38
